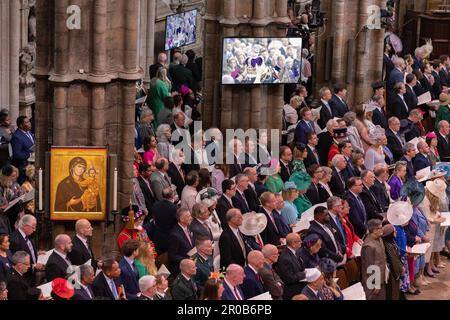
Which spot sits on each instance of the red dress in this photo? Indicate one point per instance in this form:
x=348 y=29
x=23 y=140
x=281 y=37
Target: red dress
x=333 y=151
x=350 y=235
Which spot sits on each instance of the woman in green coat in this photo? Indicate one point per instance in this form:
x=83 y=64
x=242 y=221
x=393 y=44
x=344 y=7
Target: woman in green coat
x=159 y=90
x=302 y=180
x=274 y=183
x=444 y=110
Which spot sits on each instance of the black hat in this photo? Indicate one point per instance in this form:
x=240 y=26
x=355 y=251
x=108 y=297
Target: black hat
x=326 y=265
x=7 y=171
x=378 y=85
x=340 y=133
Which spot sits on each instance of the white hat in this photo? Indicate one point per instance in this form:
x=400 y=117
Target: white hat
x=437 y=187
x=253 y=223
x=208 y=196
x=399 y=213
x=312 y=275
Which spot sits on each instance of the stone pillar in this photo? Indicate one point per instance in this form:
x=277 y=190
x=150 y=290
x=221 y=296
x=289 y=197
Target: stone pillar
x=340 y=42
x=14 y=42
x=151 y=20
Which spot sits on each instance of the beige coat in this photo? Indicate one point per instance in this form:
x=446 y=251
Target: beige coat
x=373 y=254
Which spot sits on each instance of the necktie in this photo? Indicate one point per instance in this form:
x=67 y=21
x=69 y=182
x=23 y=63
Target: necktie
x=246 y=203
x=327 y=230
x=88 y=292
x=311 y=127
x=241 y=242
x=236 y=293
x=404 y=103
x=342 y=178
x=400 y=138
x=30 y=247
x=186 y=232
x=114 y=290
x=341 y=229
x=362 y=208
x=273 y=221
x=316 y=154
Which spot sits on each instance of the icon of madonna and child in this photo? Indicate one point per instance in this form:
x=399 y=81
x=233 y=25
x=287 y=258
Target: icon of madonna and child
x=80 y=191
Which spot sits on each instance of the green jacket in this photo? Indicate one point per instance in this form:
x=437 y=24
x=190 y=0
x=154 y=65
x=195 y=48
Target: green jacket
x=302 y=204
x=183 y=289
x=442 y=114
x=274 y=184
x=204 y=269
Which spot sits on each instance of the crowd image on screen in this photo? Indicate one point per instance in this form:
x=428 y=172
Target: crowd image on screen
x=181 y=30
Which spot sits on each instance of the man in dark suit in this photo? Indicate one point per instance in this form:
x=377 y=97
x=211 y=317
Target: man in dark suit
x=184 y=287
x=379 y=187
x=313 y=291
x=357 y=215
x=165 y=212
x=337 y=103
x=236 y=166
x=181 y=240
x=285 y=163
x=177 y=175
x=312 y=193
x=21 y=240
x=199 y=226
x=313 y=156
x=145 y=171
x=304 y=127
x=373 y=208
x=181 y=75
x=345 y=148
x=388 y=65
x=233 y=249
x=326 y=141
x=334 y=205
x=106 y=284
x=147 y=287
x=396 y=76
x=338 y=183
x=249 y=157
x=225 y=202
x=271 y=280
x=239 y=200
x=81 y=251
x=271 y=234
x=58 y=262
x=379 y=116
x=409 y=153
x=394 y=138
x=84 y=289
x=162 y=61
x=159 y=179
x=326 y=113
x=22 y=143
x=410 y=126
x=250 y=194
x=410 y=95
x=398 y=106
x=179 y=132
x=17 y=284
x=253 y=285
x=444 y=141
x=444 y=74
x=291 y=268
x=232 y=283
x=438 y=82
x=422 y=160
x=129 y=277
x=331 y=247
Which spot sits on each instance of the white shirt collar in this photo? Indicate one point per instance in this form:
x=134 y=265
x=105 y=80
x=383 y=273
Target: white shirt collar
x=62 y=255
x=292 y=250
x=187 y=278
x=84 y=240
x=229 y=284
x=22 y=233
x=356 y=195
x=183 y=227
x=254 y=270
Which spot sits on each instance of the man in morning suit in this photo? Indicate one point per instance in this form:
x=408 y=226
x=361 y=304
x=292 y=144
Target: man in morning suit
x=106 y=284
x=337 y=103
x=232 y=283
x=165 y=219
x=233 y=248
x=225 y=202
x=81 y=251
x=357 y=215
x=374 y=209
x=58 y=262
x=17 y=284
x=129 y=277
x=326 y=113
x=253 y=285
x=184 y=287
x=83 y=289
x=291 y=268
x=444 y=141
x=145 y=171
x=181 y=240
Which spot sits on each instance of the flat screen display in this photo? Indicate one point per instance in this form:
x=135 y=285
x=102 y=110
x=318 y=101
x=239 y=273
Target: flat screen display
x=261 y=60
x=181 y=29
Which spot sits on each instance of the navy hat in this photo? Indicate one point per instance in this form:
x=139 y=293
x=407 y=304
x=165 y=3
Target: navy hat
x=414 y=190
x=326 y=265
x=310 y=240
x=340 y=133
x=378 y=85
x=7 y=171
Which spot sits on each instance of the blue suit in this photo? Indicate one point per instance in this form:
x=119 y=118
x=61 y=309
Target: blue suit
x=228 y=293
x=21 y=145
x=421 y=162
x=410 y=171
x=396 y=76
x=379 y=119
x=301 y=132
x=338 y=107
x=357 y=214
x=252 y=285
x=129 y=279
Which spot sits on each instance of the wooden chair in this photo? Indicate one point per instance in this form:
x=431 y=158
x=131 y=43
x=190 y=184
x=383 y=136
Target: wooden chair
x=342 y=282
x=352 y=271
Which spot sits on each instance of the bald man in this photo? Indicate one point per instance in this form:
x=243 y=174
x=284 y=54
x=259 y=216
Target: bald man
x=271 y=280
x=232 y=283
x=81 y=251
x=253 y=285
x=184 y=287
x=58 y=262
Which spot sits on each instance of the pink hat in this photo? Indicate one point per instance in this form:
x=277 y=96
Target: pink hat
x=431 y=135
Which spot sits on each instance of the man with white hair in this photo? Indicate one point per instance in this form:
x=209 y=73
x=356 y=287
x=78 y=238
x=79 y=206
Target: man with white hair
x=58 y=262
x=444 y=140
x=161 y=63
x=21 y=240
x=271 y=280
x=326 y=141
x=337 y=183
x=232 y=284
x=81 y=250
x=147 y=286
x=396 y=76
x=235 y=148
x=83 y=288
x=181 y=75
x=316 y=281
x=253 y=285
x=17 y=283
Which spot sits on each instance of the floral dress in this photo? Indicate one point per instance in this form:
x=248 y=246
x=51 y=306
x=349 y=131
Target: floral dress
x=401 y=243
x=298 y=165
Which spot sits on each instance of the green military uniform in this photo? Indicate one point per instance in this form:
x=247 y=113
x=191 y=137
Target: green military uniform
x=204 y=269
x=183 y=289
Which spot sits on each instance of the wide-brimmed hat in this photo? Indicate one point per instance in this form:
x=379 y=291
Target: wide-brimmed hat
x=414 y=190
x=208 y=196
x=437 y=187
x=253 y=223
x=399 y=213
x=445 y=167
x=301 y=179
x=62 y=288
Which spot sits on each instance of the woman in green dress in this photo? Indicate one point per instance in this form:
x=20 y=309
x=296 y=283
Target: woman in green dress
x=443 y=112
x=302 y=180
x=145 y=261
x=300 y=154
x=160 y=87
x=274 y=183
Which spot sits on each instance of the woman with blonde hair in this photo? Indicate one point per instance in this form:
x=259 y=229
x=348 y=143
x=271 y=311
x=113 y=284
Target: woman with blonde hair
x=29 y=186
x=145 y=261
x=434 y=190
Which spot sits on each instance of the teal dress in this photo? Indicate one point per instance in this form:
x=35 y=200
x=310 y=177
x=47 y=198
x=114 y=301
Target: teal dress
x=302 y=204
x=289 y=212
x=298 y=165
x=157 y=93
x=274 y=184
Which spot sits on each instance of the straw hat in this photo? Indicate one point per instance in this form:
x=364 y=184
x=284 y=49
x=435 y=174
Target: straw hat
x=437 y=187
x=253 y=223
x=399 y=213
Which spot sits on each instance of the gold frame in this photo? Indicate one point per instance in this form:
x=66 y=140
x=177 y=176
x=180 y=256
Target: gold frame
x=61 y=178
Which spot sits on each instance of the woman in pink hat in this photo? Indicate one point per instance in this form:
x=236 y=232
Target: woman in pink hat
x=434 y=153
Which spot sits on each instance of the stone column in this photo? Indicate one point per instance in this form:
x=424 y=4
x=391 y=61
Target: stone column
x=130 y=50
x=340 y=43
x=151 y=21
x=14 y=42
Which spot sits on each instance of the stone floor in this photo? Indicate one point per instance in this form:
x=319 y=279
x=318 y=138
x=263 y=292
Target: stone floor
x=439 y=289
